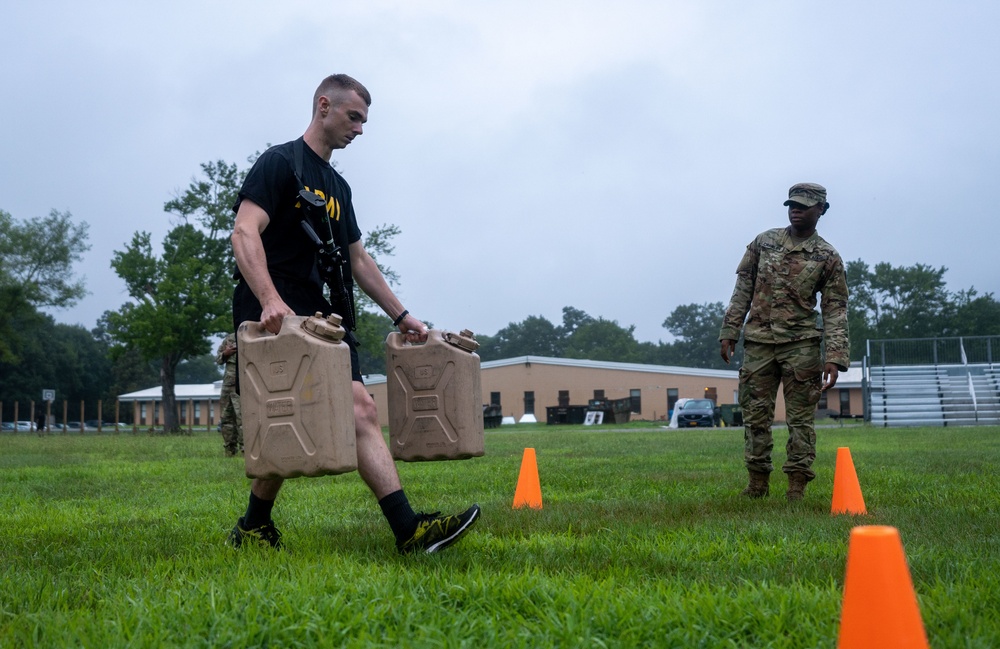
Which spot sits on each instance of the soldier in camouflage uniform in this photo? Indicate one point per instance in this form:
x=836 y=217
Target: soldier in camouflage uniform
x=776 y=284
x=230 y=421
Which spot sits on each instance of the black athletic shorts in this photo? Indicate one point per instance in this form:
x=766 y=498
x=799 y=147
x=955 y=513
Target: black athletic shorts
x=303 y=300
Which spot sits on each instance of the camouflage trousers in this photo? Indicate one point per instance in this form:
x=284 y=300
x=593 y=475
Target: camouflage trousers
x=799 y=368
x=230 y=422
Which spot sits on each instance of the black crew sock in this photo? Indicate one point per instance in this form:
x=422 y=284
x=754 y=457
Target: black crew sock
x=396 y=509
x=258 y=512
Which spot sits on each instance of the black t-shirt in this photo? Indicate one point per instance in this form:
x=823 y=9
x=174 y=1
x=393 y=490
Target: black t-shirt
x=291 y=256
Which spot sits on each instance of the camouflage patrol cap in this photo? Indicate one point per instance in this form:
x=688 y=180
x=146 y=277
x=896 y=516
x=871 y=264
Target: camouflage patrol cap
x=807 y=194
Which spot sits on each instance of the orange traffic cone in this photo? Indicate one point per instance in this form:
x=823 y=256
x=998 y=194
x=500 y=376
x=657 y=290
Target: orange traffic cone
x=847 y=498
x=529 y=490
x=880 y=609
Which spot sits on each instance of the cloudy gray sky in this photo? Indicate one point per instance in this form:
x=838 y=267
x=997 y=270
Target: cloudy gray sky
x=611 y=156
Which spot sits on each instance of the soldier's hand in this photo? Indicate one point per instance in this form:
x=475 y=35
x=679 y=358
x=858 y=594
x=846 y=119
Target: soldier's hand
x=413 y=330
x=727 y=349
x=273 y=314
x=830 y=374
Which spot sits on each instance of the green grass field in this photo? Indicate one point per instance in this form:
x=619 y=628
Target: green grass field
x=118 y=540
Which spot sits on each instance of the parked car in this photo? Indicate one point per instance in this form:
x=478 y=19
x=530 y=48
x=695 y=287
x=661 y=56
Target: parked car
x=74 y=426
x=696 y=413
x=14 y=426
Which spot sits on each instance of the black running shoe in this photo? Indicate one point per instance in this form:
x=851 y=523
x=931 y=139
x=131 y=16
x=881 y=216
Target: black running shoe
x=436 y=532
x=266 y=533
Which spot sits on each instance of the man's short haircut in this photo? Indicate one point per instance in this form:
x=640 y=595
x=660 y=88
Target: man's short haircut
x=336 y=82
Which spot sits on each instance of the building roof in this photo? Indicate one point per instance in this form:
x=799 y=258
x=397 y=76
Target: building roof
x=852 y=377
x=611 y=365
x=376 y=379
x=211 y=390
x=181 y=391
x=200 y=391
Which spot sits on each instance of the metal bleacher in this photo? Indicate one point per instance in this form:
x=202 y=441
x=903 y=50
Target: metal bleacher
x=961 y=393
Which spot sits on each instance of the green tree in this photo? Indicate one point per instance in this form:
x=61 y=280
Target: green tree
x=179 y=299
x=24 y=373
x=372 y=324
x=129 y=371
x=60 y=357
x=898 y=302
x=579 y=336
x=36 y=260
x=209 y=202
x=658 y=353
x=372 y=329
x=573 y=319
x=534 y=336
x=863 y=309
x=976 y=315
x=696 y=327
x=603 y=340
x=183 y=297
x=913 y=301
x=200 y=369
x=378 y=243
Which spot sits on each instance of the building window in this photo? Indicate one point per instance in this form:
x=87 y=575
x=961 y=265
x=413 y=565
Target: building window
x=197 y=411
x=845 y=402
x=529 y=403
x=494 y=398
x=563 y=398
x=183 y=412
x=156 y=413
x=636 y=396
x=142 y=413
x=599 y=394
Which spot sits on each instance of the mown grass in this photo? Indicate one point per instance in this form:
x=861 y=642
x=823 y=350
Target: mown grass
x=117 y=540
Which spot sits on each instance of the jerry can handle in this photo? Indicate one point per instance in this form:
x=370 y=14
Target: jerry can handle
x=251 y=328
x=397 y=340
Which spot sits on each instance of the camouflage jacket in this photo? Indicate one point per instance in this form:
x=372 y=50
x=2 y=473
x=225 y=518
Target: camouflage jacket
x=777 y=282
x=220 y=358
x=230 y=362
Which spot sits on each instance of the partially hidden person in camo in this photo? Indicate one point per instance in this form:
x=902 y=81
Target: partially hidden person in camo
x=230 y=421
x=777 y=283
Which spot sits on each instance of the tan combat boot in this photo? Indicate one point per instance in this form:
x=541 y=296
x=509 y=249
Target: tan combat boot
x=759 y=486
x=796 y=486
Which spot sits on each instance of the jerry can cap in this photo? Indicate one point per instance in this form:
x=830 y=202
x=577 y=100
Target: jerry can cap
x=464 y=340
x=327 y=328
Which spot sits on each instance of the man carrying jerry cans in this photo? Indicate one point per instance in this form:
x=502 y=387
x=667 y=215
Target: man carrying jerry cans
x=296 y=232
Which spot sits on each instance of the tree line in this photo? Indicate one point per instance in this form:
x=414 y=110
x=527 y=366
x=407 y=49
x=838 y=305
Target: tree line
x=179 y=304
x=886 y=302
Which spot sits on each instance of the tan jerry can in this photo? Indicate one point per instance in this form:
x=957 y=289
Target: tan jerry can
x=297 y=399
x=435 y=397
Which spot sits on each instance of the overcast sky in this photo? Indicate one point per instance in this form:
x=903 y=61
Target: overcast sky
x=616 y=157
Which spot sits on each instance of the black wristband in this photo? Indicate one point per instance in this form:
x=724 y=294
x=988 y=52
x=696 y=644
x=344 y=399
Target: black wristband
x=399 y=318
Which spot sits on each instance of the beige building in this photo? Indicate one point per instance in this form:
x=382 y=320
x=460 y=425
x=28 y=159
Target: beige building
x=197 y=405
x=525 y=386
